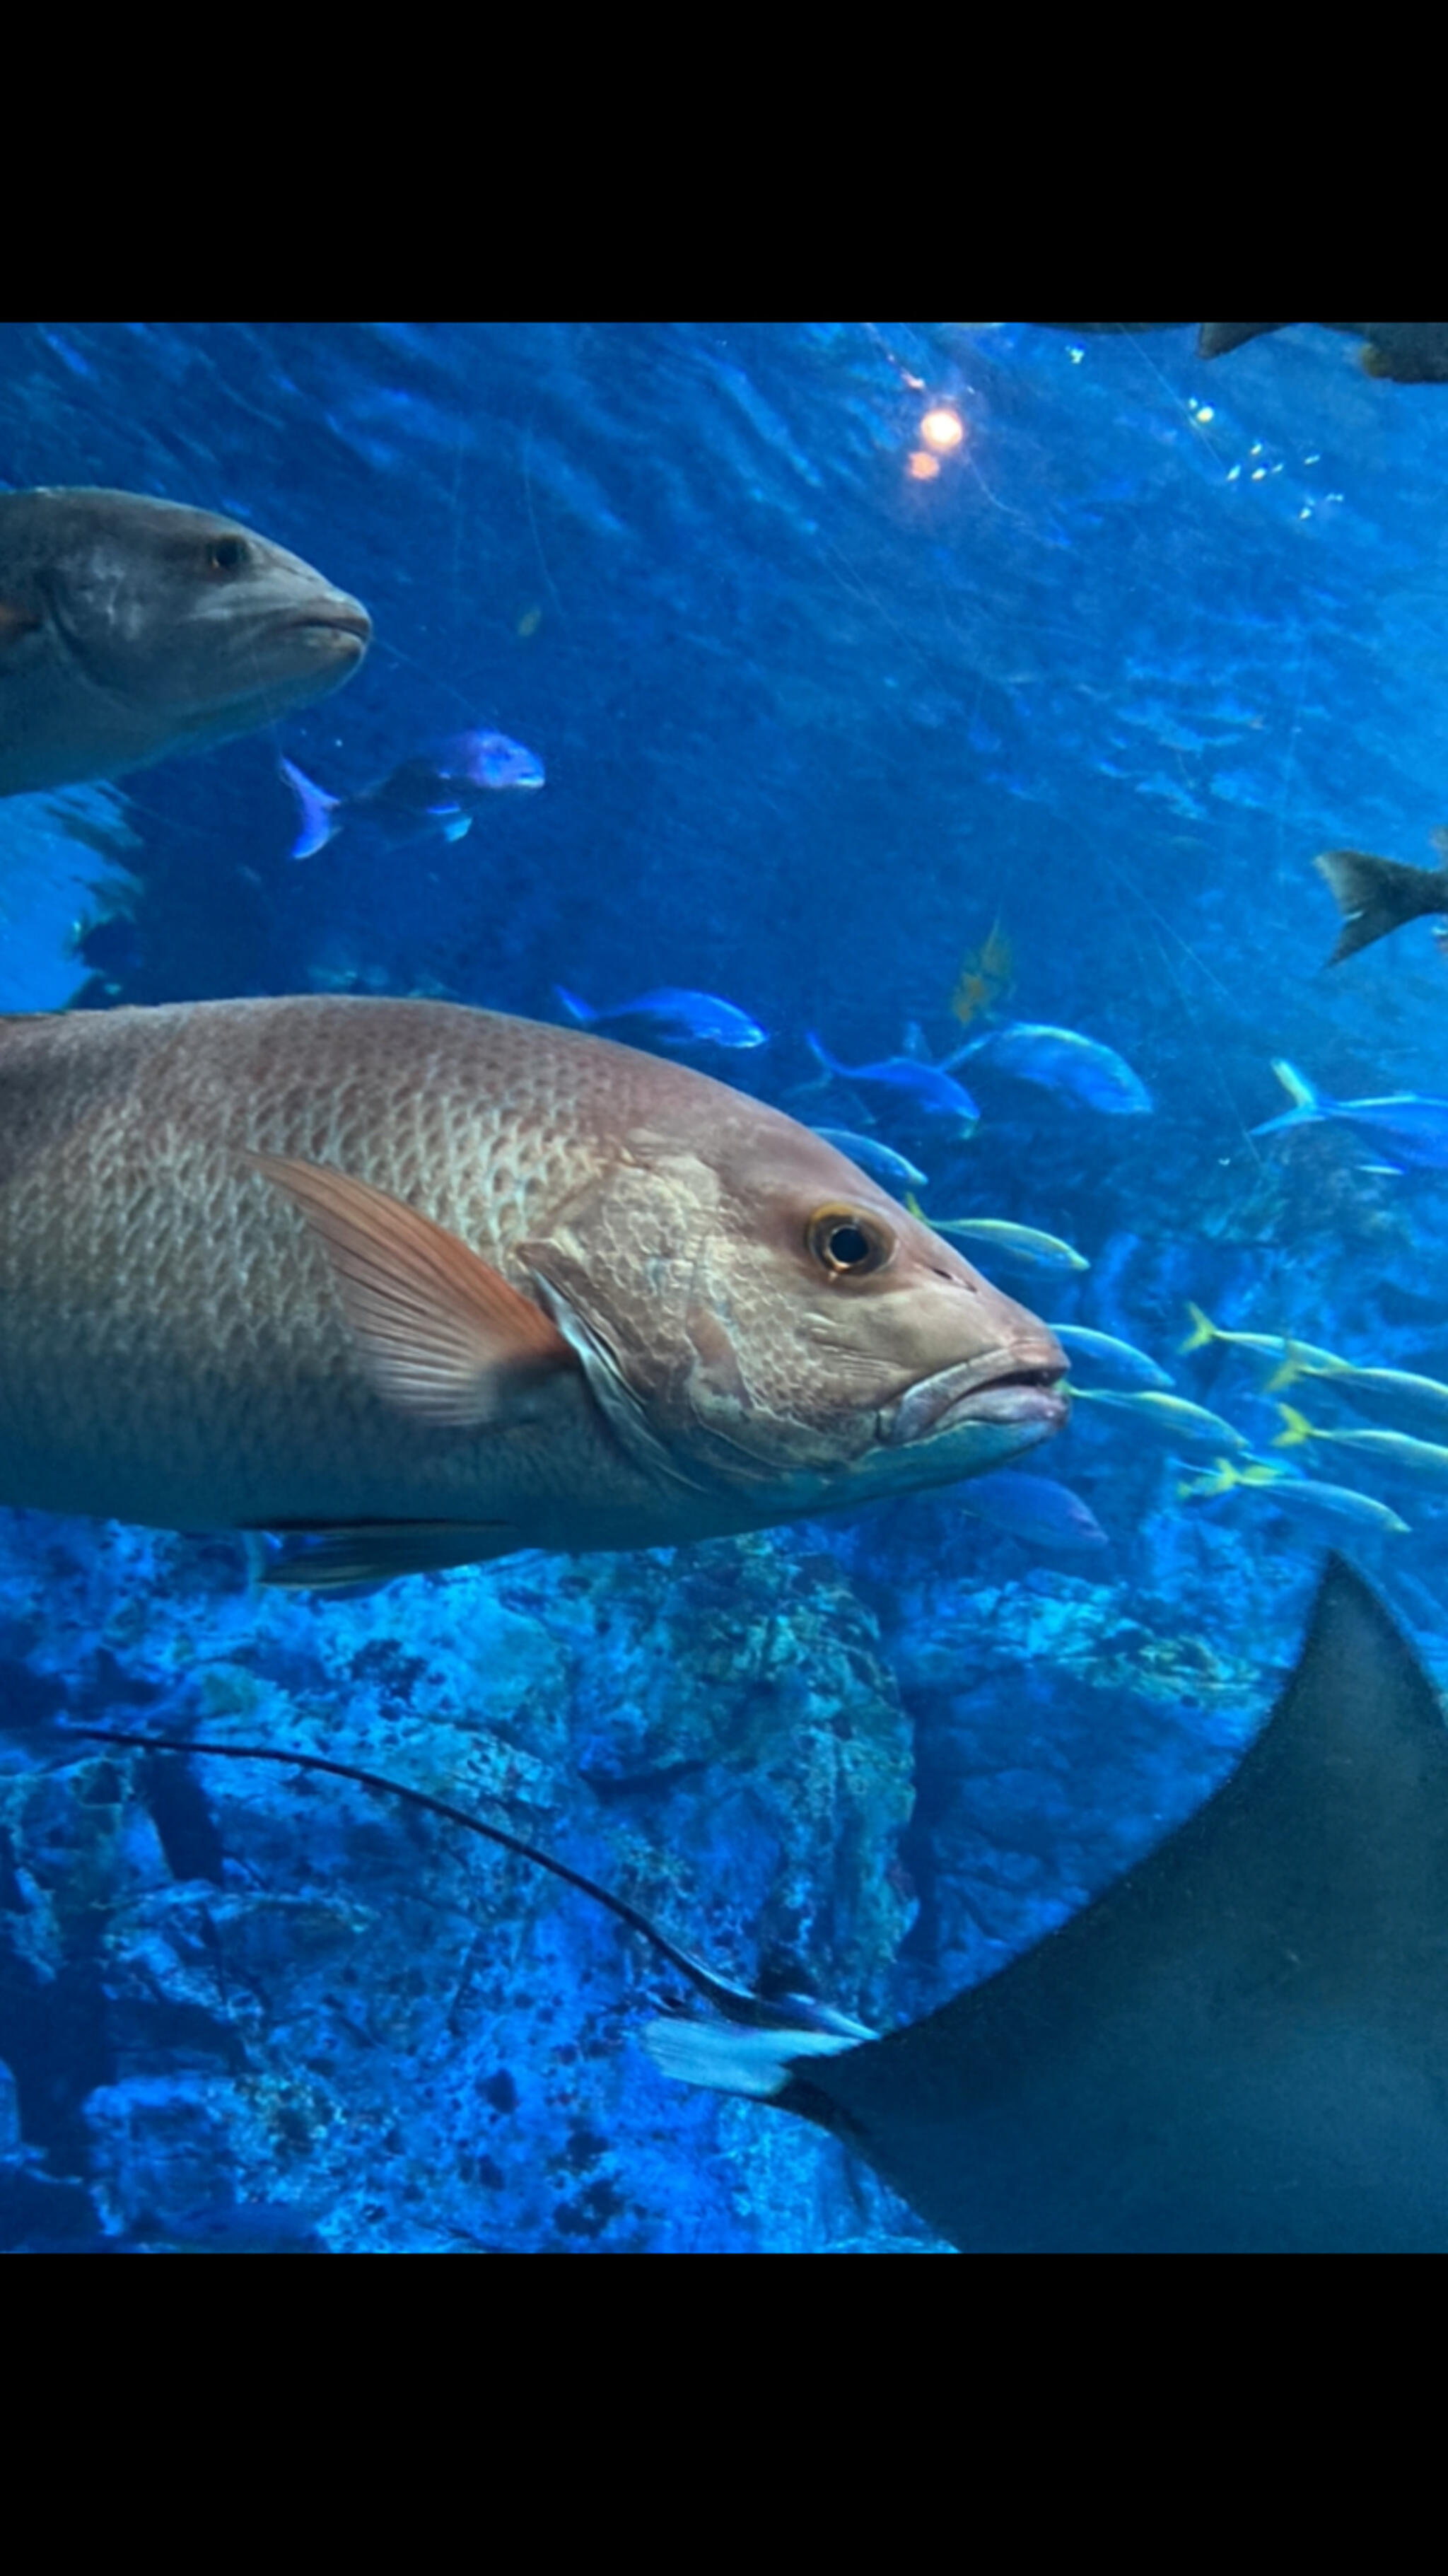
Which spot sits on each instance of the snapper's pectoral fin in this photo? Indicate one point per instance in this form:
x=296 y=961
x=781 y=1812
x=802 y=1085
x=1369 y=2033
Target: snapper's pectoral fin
x=441 y=1334
x=373 y=1552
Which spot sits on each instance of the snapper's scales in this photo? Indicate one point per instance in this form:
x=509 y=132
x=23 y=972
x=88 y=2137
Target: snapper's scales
x=178 y=1345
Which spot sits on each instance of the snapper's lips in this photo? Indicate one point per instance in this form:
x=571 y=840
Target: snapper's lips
x=1023 y=1387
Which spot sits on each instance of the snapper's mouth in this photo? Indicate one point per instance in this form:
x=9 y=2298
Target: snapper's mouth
x=1017 y=1387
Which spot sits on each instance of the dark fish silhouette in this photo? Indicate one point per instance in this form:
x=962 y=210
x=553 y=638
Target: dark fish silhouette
x=1375 y=896
x=440 y=791
x=1242 y=2047
x=1408 y=353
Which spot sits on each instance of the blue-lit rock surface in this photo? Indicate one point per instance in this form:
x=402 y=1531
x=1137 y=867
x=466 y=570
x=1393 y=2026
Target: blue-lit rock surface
x=240 y=1985
x=241 y=2001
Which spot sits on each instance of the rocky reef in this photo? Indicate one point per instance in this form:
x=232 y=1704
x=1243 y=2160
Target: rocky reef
x=241 y=2005
x=244 y=2008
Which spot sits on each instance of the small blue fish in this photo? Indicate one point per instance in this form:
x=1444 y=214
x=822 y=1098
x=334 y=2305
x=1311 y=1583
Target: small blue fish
x=441 y=790
x=874 y=1157
x=1036 y=1509
x=1062 y=1060
x=1403 y=1133
x=1120 y=1363
x=677 y=1016
x=928 y=1087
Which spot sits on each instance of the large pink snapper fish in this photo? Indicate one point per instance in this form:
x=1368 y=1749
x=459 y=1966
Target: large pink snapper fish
x=429 y=1284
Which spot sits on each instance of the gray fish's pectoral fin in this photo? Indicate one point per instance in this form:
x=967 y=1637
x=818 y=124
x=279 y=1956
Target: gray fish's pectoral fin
x=375 y=1552
x=1239 y=2047
x=441 y=1334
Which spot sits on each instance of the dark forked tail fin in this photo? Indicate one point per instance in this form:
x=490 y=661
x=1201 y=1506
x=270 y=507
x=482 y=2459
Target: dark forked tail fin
x=1375 y=896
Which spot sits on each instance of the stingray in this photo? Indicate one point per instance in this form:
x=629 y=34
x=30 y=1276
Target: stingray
x=1241 y=2047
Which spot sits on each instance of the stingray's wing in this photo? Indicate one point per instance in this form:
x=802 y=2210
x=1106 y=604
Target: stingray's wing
x=1244 y=2044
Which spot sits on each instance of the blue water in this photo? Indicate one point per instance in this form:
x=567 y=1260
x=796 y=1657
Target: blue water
x=814 y=721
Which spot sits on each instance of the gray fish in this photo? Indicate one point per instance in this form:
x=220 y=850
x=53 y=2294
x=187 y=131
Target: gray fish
x=1237 y=2049
x=133 y=628
x=1375 y=896
x=418 y=1285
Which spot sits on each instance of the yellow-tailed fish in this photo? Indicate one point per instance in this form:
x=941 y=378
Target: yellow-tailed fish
x=1396 y=1397
x=1025 y=1245
x=1270 y=1346
x=1301 y=1497
x=1170 y=1417
x=422 y=1285
x=987 y=975
x=1395 y=1452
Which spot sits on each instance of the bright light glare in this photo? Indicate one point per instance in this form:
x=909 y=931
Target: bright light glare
x=920 y=467
x=942 y=429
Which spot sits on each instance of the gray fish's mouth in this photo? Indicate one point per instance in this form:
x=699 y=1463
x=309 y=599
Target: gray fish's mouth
x=339 y=621
x=1023 y=1386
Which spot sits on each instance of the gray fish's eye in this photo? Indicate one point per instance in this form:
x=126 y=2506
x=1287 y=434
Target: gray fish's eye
x=226 y=554
x=846 y=1243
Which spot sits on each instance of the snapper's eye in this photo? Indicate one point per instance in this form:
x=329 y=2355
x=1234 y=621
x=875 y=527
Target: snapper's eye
x=847 y=1243
x=226 y=554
